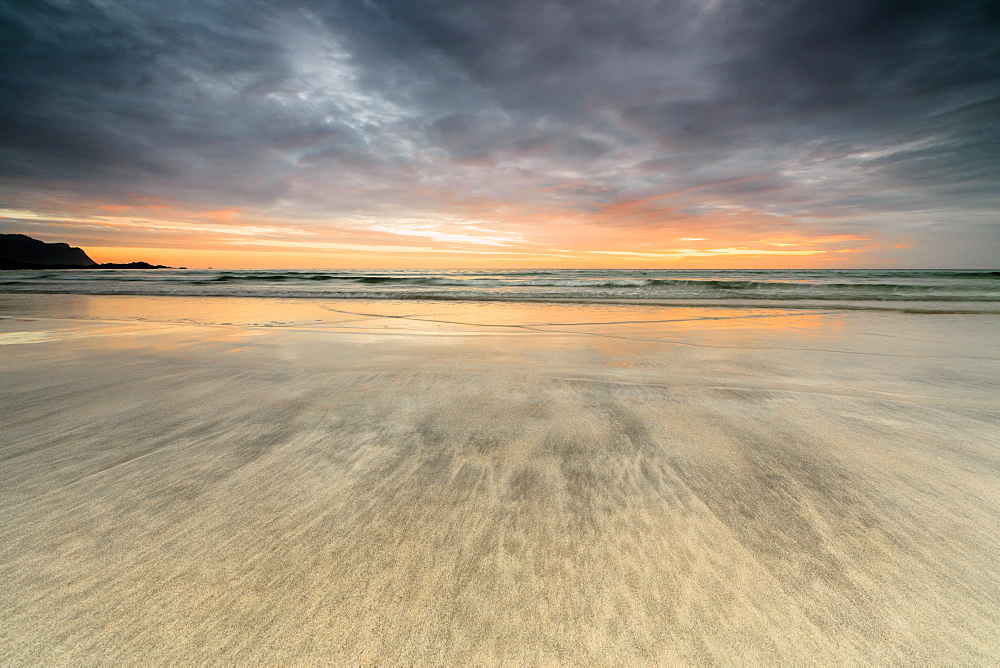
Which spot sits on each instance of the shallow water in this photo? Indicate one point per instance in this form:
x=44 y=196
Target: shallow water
x=288 y=481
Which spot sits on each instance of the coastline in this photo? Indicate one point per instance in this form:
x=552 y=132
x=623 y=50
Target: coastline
x=272 y=480
x=954 y=290
x=908 y=306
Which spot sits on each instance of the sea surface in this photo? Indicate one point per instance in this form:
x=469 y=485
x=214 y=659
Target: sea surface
x=979 y=289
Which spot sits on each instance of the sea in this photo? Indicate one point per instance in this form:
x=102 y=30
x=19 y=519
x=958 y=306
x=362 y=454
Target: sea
x=959 y=289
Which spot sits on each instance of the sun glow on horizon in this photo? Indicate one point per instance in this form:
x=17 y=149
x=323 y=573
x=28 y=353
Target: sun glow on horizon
x=162 y=233
x=333 y=133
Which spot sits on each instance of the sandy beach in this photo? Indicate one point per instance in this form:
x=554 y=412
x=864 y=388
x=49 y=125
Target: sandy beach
x=224 y=480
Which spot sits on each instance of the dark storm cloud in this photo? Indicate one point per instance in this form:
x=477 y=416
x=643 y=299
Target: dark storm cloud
x=809 y=108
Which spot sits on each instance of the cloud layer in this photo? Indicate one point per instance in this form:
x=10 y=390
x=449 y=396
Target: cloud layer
x=552 y=129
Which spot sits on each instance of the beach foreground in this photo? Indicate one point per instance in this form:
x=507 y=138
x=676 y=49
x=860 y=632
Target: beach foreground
x=295 y=481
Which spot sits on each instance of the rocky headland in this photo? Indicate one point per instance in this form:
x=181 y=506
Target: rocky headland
x=19 y=251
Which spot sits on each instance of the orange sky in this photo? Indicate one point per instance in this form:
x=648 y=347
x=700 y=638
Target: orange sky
x=654 y=236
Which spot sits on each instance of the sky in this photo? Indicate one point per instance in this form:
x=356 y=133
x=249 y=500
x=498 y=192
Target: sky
x=509 y=133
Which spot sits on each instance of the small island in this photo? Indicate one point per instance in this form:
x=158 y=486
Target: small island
x=19 y=251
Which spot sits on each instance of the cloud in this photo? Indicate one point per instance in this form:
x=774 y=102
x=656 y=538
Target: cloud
x=874 y=118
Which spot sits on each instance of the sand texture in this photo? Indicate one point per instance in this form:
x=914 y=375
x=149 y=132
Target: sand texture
x=266 y=482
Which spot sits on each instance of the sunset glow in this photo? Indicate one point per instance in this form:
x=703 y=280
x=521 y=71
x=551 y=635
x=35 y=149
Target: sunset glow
x=234 y=238
x=684 y=134
x=499 y=332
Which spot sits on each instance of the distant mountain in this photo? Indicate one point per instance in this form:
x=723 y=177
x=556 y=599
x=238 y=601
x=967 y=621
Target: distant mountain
x=130 y=265
x=18 y=251
x=23 y=249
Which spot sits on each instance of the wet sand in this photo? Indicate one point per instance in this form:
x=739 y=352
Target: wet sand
x=294 y=482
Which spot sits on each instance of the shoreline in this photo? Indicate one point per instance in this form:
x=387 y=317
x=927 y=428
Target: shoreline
x=244 y=480
x=957 y=307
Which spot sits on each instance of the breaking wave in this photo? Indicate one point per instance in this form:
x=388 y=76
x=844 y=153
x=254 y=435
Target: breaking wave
x=583 y=284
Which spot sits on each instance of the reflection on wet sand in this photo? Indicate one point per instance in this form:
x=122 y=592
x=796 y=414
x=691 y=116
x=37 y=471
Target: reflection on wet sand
x=292 y=481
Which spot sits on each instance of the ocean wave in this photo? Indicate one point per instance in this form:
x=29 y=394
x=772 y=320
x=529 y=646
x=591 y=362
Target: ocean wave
x=971 y=274
x=667 y=285
x=591 y=285
x=617 y=283
x=226 y=278
x=213 y=289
